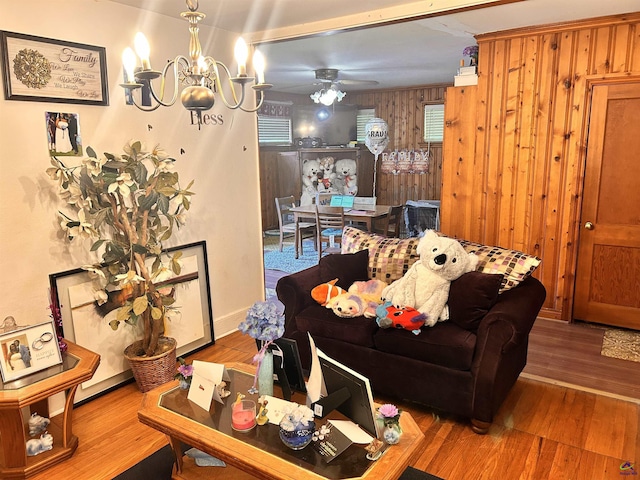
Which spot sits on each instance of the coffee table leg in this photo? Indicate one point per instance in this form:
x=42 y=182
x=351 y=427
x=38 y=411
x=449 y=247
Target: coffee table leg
x=176 y=446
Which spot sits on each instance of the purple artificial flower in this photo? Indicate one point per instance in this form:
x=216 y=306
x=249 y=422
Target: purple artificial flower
x=264 y=321
x=388 y=411
x=185 y=370
x=470 y=51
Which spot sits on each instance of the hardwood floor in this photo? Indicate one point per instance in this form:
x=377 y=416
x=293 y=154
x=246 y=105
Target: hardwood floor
x=542 y=431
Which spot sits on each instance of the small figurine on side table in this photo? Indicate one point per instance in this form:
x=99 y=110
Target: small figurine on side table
x=261 y=418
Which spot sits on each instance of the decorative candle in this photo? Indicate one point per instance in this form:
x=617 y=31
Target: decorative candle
x=241 y=53
x=143 y=50
x=243 y=415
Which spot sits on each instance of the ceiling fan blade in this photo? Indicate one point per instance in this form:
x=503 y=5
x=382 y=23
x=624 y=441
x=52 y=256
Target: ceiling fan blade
x=356 y=82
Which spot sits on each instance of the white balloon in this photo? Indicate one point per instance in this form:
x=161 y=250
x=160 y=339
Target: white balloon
x=376 y=135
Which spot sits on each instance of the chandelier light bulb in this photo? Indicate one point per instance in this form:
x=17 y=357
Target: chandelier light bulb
x=259 y=66
x=241 y=52
x=129 y=61
x=143 y=50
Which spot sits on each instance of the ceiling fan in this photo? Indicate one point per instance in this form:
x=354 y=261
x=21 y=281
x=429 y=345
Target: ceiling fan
x=330 y=75
x=330 y=91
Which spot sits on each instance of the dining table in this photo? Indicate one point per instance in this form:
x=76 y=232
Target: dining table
x=365 y=217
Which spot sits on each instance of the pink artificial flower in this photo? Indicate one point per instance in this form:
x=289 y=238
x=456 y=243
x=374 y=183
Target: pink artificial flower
x=388 y=410
x=186 y=370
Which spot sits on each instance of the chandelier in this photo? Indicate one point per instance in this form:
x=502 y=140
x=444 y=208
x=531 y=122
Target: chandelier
x=201 y=75
x=328 y=96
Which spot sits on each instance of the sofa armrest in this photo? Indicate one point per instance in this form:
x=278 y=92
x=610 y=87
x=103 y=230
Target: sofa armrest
x=294 y=291
x=509 y=321
x=501 y=346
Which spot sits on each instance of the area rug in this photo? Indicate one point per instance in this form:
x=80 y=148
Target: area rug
x=622 y=344
x=159 y=466
x=285 y=261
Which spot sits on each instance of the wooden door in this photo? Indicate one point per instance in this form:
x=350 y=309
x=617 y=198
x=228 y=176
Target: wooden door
x=608 y=275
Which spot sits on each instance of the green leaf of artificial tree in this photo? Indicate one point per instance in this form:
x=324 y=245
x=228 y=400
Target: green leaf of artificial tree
x=147 y=202
x=140 y=304
x=114 y=324
x=123 y=313
x=97 y=245
x=156 y=313
x=163 y=203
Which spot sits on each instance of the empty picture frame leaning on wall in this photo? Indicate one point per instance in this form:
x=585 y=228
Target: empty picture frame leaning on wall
x=85 y=325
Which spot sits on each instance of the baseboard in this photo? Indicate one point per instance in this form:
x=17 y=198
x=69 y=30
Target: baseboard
x=228 y=324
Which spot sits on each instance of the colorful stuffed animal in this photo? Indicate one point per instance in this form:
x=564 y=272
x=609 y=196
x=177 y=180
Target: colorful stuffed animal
x=388 y=316
x=349 y=305
x=326 y=291
x=425 y=286
x=370 y=290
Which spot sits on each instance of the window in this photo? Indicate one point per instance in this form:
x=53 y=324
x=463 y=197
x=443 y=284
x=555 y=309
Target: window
x=364 y=115
x=274 y=124
x=433 y=127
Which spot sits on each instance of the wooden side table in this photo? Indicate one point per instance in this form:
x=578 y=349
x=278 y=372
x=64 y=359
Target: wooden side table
x=14 y=462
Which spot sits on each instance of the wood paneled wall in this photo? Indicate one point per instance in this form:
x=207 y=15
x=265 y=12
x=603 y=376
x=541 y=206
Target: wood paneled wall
x=513 y=176
x=402 y=110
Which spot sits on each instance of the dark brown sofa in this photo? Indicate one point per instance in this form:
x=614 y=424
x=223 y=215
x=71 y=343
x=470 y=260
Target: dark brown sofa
x=465 y=366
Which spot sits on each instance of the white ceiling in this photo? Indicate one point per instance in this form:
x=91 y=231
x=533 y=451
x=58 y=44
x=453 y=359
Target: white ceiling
x=416 y=52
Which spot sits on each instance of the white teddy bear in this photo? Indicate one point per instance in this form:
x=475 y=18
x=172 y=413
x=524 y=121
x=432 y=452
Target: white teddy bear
x=425 y=286
x=310 y=169
x=346 y=172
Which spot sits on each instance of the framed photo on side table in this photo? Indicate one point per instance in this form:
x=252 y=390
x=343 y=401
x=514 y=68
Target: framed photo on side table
x=28 y=350
x=88 y=326
x=48 y=70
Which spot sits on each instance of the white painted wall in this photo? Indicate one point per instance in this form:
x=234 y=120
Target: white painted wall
x=223 y=160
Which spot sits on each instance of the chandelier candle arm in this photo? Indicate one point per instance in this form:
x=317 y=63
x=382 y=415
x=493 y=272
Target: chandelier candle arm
x=200 y=75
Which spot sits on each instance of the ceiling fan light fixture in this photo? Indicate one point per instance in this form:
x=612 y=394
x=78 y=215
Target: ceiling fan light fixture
x=328 y=96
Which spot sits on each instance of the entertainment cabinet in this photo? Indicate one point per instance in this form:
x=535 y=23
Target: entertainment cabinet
x=281 y=174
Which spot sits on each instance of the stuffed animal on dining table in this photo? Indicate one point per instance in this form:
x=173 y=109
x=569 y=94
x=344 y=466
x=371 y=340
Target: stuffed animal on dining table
x=426 y=284
x=390 y=316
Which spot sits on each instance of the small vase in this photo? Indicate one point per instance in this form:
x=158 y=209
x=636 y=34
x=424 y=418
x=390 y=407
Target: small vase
x=392 y=433
x=265 y=375
x=184 y=385
x=299 y=437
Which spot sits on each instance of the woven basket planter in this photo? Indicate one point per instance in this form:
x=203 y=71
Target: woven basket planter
x=151 y=372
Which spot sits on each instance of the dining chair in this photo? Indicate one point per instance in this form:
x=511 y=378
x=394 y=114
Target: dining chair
x=323 y=198
x=391 y=223
x=330 y=224
x=287 y=224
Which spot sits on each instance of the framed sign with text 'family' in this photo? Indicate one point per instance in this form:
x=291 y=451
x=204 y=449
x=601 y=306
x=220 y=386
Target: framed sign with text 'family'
x=47 y=70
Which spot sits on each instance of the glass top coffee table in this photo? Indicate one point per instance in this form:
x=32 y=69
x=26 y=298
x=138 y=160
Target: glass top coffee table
x=260 y=451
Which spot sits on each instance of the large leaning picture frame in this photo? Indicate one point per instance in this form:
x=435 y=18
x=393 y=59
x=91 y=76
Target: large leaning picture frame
x=49 y=70
x=83 y=324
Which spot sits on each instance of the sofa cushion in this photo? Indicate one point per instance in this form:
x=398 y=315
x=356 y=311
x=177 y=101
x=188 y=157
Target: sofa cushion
x=444 y=344
x=389 y=258
x=470 y=298
x=321 y=321
x=513 y=264
x=347 y=268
